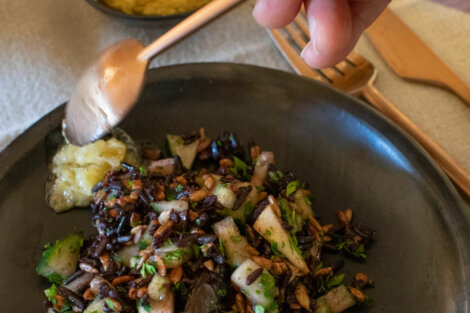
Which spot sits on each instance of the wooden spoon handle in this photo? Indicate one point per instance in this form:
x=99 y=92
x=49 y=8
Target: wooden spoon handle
x=450 y=166
x=195 y=21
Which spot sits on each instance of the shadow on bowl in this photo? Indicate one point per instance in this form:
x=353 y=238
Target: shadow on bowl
x=138 y=20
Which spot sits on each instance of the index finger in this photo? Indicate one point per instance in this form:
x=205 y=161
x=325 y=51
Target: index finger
x=276 y=13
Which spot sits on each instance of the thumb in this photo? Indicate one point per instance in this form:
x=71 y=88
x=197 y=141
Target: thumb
x=330 y=32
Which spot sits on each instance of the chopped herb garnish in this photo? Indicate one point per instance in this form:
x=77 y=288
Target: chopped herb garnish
x=307 y=200
x=142 y=245
x=292 y=187
x=51 y=293
x=275 y=249
x=173 y=255
x=334 y=281
x=147 y=269
x=110 y=303
x=360 y=252
x=269 y=285
x=259 y=308
x=222 y=248
x=221 y=292
x=267 y=233
x=236 y=238
x=145 y=306
x=239 y=168
x=294 y=244
x=248 y=209
x=130 y=183
x=142 y=171
x=179 y=188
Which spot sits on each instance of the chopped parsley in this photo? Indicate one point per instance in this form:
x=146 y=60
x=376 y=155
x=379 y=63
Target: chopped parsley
x=294 y=244
x=239 y=168
x=248 y=209
x=173 y=255
x=307 y=200
x=360 y=252
x=147 y=269
x=259 y=308
x=335 y=281
x=222 y=248
x=292 y=187
x=236 y=238
x=269 y=285
x=221 y=292
x=51 y=293
x=142 y=245
x=275 y=249
x=145 y=306
x=110 y=303
x=142 y=171
x=267 y=233
x=130 y=183
x=179 y=188
x=182 y=288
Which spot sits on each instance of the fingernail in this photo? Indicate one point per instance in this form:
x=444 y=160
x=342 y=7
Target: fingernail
x=313 y=35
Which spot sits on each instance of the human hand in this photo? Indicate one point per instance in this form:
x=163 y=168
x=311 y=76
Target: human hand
x=335 y=25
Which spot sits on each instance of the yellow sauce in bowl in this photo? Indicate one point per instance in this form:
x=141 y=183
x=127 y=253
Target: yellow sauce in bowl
x=155 y=7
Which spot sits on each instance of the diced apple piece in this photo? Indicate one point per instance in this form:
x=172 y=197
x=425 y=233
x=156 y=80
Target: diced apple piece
x=225 y=196
x=335 y=301
x=301 y=200
x=167 y=305
x=261 y=168
x=270 y=227
x=262 y=291
x=234 y=243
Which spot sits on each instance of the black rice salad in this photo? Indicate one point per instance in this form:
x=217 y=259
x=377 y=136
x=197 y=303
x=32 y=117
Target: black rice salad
x=231 y=234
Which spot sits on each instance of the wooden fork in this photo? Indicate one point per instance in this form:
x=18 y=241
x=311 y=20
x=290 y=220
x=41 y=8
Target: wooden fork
x=356 y=75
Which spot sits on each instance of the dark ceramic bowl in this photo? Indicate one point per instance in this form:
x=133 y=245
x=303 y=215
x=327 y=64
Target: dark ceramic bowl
x=351 y=156
x=137 y=20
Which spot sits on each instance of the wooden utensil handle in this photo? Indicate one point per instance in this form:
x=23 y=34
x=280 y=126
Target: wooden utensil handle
x=195 y=21
x=456 y=85
x=450 y=166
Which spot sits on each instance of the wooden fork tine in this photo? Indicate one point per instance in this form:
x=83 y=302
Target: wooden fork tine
x=291 y=55
x=298 y=38
x=302 y=23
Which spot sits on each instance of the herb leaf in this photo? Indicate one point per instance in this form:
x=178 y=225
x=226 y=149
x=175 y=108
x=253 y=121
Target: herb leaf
x=292 y=187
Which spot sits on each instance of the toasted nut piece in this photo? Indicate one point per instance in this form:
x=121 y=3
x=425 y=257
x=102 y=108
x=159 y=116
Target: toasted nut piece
x=137 y=184
x=135 y=218
x=198 y=195
x=323 y=271
x=326 y=239
x=226 y=162
x=345 y=216
x=151 y=154
x=209 y=182
x=203 y=144
x=240 y=302
x=161 y=266
x=88 y=268
x=138 y=228
x=160 y=196
x=255 y=152
x=105 y=260
x=142 y=291
x=248 y=307
x=113 y=213
x=134 y=195
x=276 y=259
x=277 y=268
x=251 y=250
x=181 y=180
x=295 y=306
x=133 y=294
x=116 y=304
x=314 y=232
x=262 y=195
x=173 y=185
x=88 y=295
x=315 y=224
x=176 y=274
x=357 y=294
x=209 y=264
x=163 y=228
x=263 y=262
x=362 y=280
x=302 y=297
x=192 y=215
x=326 y=228
x=122 y=279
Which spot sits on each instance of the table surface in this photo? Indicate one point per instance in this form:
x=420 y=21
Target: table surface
x=46 y=44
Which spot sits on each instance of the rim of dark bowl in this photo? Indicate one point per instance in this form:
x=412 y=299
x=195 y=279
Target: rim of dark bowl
x=97 y=4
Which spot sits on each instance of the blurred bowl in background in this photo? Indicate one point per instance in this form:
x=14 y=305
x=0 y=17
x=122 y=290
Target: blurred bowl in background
x=138 y=20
